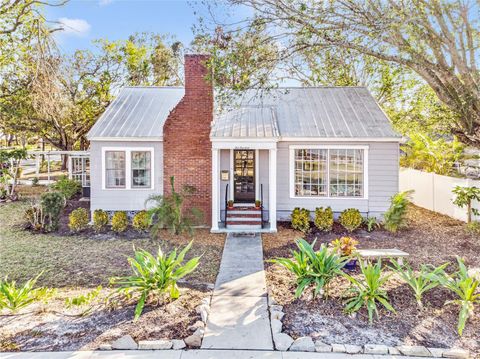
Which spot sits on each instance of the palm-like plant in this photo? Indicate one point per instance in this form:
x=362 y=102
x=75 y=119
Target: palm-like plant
x=368 y=291
x=466 y=289
x=422 y=281
x=14 y=298
x=155 y=275
x=312 y=267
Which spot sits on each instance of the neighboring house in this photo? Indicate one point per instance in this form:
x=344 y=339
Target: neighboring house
x=293 y=147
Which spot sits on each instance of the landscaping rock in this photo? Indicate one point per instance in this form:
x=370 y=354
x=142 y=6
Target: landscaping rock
x=282 y=341
x=203 y=310
x=303 y=344
x=339 y=348
x=196 y=325
x=125 y=343
x=276 y=326
x=353 y=349
x=277 y=315
x=178 y=344
x=436 y=352
x=321 y=347
x=278 y=308
x=199 y=332
x=456 y=353
x=375 y=349
x=393 y=351
x=206 y=301
x=105 y=347
x=155 y=344
x=271 y=300
x=414 y=350
x=193 y=341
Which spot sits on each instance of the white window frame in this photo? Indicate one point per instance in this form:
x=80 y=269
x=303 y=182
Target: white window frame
x=292 y=149
x=128 y=168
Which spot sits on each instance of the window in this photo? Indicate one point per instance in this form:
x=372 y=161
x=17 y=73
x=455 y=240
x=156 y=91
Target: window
x=141 y=173
x=115 y=169
x=328 y=172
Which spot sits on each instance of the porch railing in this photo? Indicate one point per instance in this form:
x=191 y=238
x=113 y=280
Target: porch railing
x=226 y=206
x=261 y=205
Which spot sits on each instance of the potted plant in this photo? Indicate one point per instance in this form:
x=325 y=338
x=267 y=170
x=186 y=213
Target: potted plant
x=230 y=204
x=346 y=247
x=258 y=204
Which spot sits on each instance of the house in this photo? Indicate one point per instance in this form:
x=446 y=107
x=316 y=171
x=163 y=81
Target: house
x=292 y=147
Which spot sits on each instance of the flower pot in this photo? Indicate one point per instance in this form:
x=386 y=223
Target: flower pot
x=351 y=264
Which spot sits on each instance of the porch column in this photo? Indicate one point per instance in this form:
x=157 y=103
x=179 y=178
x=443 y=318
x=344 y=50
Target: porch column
x=215 y=189
x=272 y=184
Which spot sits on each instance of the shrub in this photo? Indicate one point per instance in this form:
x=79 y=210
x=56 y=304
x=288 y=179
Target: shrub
x=324 y=219
x=474 y=227
x=420 y=282
x=368 y=291
x=14 y=298
x=52 y=204
x=168 y=211
x=141 y=221
x=312 y=268
x=100 y=219
x=78 y=220
x=155 y=275
x=465 y=288
x=350 y=219
x=35 y=181
x=301 y=219
x=35 y=216
x=344 y=246
x=119 y=221
x=464 y=197
x=66 y=186
x=84 y=300
x=371 y=223
x=395 y=217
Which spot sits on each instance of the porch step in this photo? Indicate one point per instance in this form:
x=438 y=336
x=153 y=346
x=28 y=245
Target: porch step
x=243 y=226
x=244 y=220
x=244 y=205
x=244 y=214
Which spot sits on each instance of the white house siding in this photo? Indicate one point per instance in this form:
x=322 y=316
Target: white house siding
x=123 y=199
x=263 y=176
x=383 y=172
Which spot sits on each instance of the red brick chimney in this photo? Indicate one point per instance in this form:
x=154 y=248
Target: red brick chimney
x=186 y=137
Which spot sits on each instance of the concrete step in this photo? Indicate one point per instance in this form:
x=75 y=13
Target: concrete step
x=244 y=205
x=235 y=211
x=244 y=225
x=244 y=215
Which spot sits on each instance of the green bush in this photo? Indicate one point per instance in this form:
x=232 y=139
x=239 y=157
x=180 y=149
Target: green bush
x=464 y=196
x=301 y=219
x=395 y=217
x=100 y=219
x=350 y=219
x=324 y=219
x=52 y=204
x=371 y=223
x=474 y=227
x=155 y=275
x=141 y=221
x=119 y=221
x=78 y=220
x=66 y=186
x=35 y=216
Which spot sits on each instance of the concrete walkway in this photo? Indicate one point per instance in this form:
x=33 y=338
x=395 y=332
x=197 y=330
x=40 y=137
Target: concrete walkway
x=239 y=312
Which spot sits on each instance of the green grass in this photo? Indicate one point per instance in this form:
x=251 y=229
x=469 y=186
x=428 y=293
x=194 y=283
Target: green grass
x=79 y=261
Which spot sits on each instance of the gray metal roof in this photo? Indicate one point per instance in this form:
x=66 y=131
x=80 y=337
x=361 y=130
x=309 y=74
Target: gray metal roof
x=325 y=112
x=137 y=112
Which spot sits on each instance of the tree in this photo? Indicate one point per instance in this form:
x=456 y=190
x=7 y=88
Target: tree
x=464 y=196
x=437 y=40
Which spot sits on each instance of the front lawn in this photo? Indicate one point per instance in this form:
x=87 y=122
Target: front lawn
x=429 y=238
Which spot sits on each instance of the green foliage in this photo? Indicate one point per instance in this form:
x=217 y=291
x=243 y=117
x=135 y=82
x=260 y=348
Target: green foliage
x=464 y=197
x=426 y=154
x=67 y=187
x=169 y=212
x=311 y=267
x=465 y=287
x=395 y=217
x=12 y=172
x=300 y=219
x=14 y=298
x=84 y=300
x=155 y=275
x=119 y=221
x=344 y=246
x=35 y=181
x=35 y=216
x=350 y=219
x=371 y=223
x=100 y=219
x=78 y=220
x=324 y=219
x=141 y=221
x=420 y=282
x=52 y=204
x=474 y=227
x=368 y=290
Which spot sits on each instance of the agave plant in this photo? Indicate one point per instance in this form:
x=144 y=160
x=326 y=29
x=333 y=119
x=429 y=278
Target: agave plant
x=368 y=291
x=465 y=287
x=14 y=298
x=312 y=267
x=155 y=275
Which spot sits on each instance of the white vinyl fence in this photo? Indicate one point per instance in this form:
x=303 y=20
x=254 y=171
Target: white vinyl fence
x=434 y=192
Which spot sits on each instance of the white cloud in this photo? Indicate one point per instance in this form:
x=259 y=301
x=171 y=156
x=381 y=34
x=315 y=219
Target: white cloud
x=78 y=27
x=104 y=2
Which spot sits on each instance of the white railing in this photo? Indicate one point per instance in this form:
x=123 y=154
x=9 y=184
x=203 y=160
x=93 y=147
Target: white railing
x=434 y=192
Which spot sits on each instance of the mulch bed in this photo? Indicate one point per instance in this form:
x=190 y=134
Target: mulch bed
x=430 y=238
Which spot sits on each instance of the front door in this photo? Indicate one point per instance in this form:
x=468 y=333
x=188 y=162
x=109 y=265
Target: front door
x=244 y=175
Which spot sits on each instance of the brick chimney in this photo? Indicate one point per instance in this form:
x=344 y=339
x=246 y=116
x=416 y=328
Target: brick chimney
x=186 y=137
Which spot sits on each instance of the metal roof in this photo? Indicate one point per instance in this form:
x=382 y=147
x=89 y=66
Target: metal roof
x=325 y=112
x=137 y=112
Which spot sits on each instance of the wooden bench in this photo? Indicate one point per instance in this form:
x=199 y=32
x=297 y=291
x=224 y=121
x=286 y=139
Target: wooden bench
x=383 y=253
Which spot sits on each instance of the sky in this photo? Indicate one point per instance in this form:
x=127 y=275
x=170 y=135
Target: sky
x=86 y=20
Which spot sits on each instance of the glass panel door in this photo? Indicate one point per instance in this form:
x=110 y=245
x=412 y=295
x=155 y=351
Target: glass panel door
x=244 y=175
